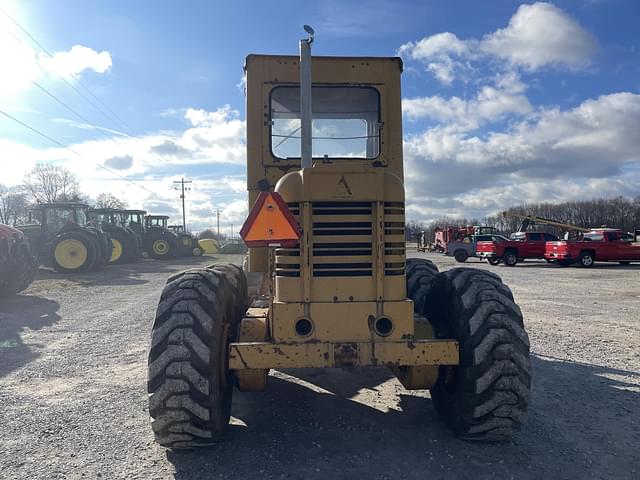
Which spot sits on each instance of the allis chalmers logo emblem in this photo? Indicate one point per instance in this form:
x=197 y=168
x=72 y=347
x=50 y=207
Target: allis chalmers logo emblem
x=343 y=189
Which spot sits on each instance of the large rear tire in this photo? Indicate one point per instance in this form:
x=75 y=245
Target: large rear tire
x=73 y=251
x=486 y=396
x=420 y=277
x=161 y=246
x=189 y=383
x=23 y=267
x=124 y=248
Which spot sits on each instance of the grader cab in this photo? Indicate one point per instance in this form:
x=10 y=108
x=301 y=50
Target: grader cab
x=325 y=178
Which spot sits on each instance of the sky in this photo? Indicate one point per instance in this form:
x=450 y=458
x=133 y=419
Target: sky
x=503 y=102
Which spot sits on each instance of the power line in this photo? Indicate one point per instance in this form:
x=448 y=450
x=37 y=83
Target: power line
x=81 y=117
x=66 y=147
x=114 y=116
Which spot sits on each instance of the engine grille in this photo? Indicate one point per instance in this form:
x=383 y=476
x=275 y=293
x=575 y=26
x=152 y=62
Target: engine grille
x=342 y=240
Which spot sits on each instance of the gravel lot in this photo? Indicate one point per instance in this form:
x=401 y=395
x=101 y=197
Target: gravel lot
x=73 y=400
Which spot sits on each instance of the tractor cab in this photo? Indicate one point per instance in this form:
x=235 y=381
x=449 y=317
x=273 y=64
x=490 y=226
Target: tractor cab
x=159 y=221
x=101 y=216
x=48 y=219
x=134 y=219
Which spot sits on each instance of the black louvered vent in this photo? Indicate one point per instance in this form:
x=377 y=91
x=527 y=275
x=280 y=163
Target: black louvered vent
x=342 y=240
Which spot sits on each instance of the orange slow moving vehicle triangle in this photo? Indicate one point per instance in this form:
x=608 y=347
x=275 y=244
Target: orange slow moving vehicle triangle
x=270 y=223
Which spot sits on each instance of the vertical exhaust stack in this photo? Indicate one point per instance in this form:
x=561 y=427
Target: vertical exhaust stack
x=306 y=143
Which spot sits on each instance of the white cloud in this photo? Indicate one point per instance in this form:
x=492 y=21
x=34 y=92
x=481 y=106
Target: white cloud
x=491 y=103
x=75 y=61
x=554 y=155
x=445 y=43
x=542 y=34
x=538 y=35
x=24 y=65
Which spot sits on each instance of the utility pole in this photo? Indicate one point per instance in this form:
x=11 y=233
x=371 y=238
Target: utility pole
x=218 y=212
x=182 y=183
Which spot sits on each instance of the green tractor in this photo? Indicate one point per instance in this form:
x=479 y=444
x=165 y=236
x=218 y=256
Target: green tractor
x=62 y=238
x=159 y=242
x=126 y=245
x=134 y=221
x=189 y=245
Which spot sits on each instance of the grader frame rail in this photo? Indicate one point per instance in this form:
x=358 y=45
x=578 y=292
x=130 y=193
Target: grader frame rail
x=327 y=146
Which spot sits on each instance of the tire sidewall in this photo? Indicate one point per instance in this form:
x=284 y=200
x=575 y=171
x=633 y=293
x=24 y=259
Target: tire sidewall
x=460 y=256
x=89 y=243
x=510 y=259
x=586 y=260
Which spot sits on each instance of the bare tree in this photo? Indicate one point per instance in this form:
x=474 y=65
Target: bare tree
x=13 y=205
x=108 y=200
x=52 y=183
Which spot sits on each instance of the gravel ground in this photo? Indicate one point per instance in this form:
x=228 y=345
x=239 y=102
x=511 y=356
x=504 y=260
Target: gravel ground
x=73 y=400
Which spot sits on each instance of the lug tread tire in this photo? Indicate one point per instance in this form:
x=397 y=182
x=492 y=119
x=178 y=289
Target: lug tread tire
x=420 y=275
x=23 y=271
x=489 y=395
x=187 y=406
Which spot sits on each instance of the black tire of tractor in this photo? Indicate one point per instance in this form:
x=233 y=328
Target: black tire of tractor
x=189 y=384
x=493 y=261
x=128 y=246
x=23 y=273
x=421 y=274
x=461 y=256
x=486 y=396
x=90 y=243
x=152 y=237
x=98 y=259
x=510 y=258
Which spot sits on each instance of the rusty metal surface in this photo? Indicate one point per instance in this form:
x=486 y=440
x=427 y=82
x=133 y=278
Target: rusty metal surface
x=253 y=328
x=265 y=355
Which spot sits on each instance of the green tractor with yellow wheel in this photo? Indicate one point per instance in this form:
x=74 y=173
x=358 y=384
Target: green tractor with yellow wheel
x=126 y=245
x=189 y=245
x=61 y=238
x=159 y=242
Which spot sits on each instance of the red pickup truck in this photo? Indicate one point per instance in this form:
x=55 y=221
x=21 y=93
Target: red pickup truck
x=599 y=245
x=521 y=245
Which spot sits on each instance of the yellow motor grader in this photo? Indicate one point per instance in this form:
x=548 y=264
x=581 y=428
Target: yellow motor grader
x=327 y=230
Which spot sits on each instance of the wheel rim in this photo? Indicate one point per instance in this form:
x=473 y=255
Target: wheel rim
x=160 y=247
x=71 y=254
x=510 y=259
x=587 y=260
x=196 y=252
x=116 y=251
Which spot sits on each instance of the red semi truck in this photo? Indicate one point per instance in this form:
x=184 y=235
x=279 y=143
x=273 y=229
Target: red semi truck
x=521 y=245
x=598 y=245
